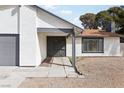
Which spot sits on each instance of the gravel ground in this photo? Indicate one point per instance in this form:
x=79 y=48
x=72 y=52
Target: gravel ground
x=104 y=72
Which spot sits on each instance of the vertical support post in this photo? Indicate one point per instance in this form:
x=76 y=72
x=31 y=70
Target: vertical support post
x=18 y=18
x=73 y=49
x=74 y=52
x=18 y=29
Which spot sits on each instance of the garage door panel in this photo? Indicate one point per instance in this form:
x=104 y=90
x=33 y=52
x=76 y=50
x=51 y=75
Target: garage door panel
x=9 y=50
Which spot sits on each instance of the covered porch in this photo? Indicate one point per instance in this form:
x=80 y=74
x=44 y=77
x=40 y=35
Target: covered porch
x=52 y=42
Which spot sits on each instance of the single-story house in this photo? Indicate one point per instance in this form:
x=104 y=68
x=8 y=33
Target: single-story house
x=94 y=42
x=29 y=34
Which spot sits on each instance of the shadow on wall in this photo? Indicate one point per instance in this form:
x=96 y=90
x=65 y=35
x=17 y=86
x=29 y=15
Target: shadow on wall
x=41 y=46
x=112 y=48
x=47 y=19
x=122 y=48
x=14 y=11
x=50 y=20
x=4 y=7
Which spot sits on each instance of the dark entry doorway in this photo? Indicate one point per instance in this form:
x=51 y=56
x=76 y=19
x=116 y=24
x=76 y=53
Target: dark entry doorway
x=56 y=46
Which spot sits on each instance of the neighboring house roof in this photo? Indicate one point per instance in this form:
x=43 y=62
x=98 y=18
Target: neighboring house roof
x=58 y=17
x=98 y=33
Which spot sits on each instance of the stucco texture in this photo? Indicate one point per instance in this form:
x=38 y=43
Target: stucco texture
x=111 y=47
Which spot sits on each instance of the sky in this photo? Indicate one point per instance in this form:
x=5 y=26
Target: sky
x=72 y=13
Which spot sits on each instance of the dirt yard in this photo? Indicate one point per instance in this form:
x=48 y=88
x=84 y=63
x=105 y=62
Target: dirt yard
x=104 y=72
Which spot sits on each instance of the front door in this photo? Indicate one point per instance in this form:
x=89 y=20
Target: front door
x=56 y=46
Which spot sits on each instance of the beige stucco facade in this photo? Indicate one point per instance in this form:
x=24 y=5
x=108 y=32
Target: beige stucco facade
x=111 y=47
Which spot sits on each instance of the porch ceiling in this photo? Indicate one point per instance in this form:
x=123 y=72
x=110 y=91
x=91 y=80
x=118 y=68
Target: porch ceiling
x=65 y=30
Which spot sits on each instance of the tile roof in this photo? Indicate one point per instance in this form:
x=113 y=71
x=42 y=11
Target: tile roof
x=98 y=33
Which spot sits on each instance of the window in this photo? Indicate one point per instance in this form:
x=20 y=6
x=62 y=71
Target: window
x=92 y=45
x=121 y=39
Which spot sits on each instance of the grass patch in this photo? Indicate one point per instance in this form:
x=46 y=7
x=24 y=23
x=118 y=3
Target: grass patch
x=77 y=59
x=70 y=59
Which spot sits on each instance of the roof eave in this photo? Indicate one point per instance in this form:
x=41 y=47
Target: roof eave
x=59 y=17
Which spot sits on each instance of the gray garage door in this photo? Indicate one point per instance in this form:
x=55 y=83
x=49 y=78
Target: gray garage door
x=9 y=47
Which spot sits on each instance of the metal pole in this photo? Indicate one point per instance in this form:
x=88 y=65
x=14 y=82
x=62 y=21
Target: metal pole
x=18 y=16
x=73 y=53
x=73 y=49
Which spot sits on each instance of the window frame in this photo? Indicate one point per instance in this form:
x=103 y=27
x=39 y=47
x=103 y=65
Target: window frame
x=93 y=38
x=121 y=39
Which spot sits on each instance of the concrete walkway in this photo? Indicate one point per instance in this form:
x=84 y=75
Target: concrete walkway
x=61 y=67
x=14 y=76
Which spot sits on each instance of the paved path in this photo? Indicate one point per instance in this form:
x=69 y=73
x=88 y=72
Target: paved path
x=61 y=67
x=13 y=76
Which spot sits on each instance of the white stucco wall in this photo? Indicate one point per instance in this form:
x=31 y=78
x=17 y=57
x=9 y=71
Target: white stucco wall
x=8 y=19
x=46 y=20
x=111 y=47
x=42 y=46
x=122 y=48
x=28 y=37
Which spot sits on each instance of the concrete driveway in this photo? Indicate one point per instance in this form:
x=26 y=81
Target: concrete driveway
x=14 y=76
